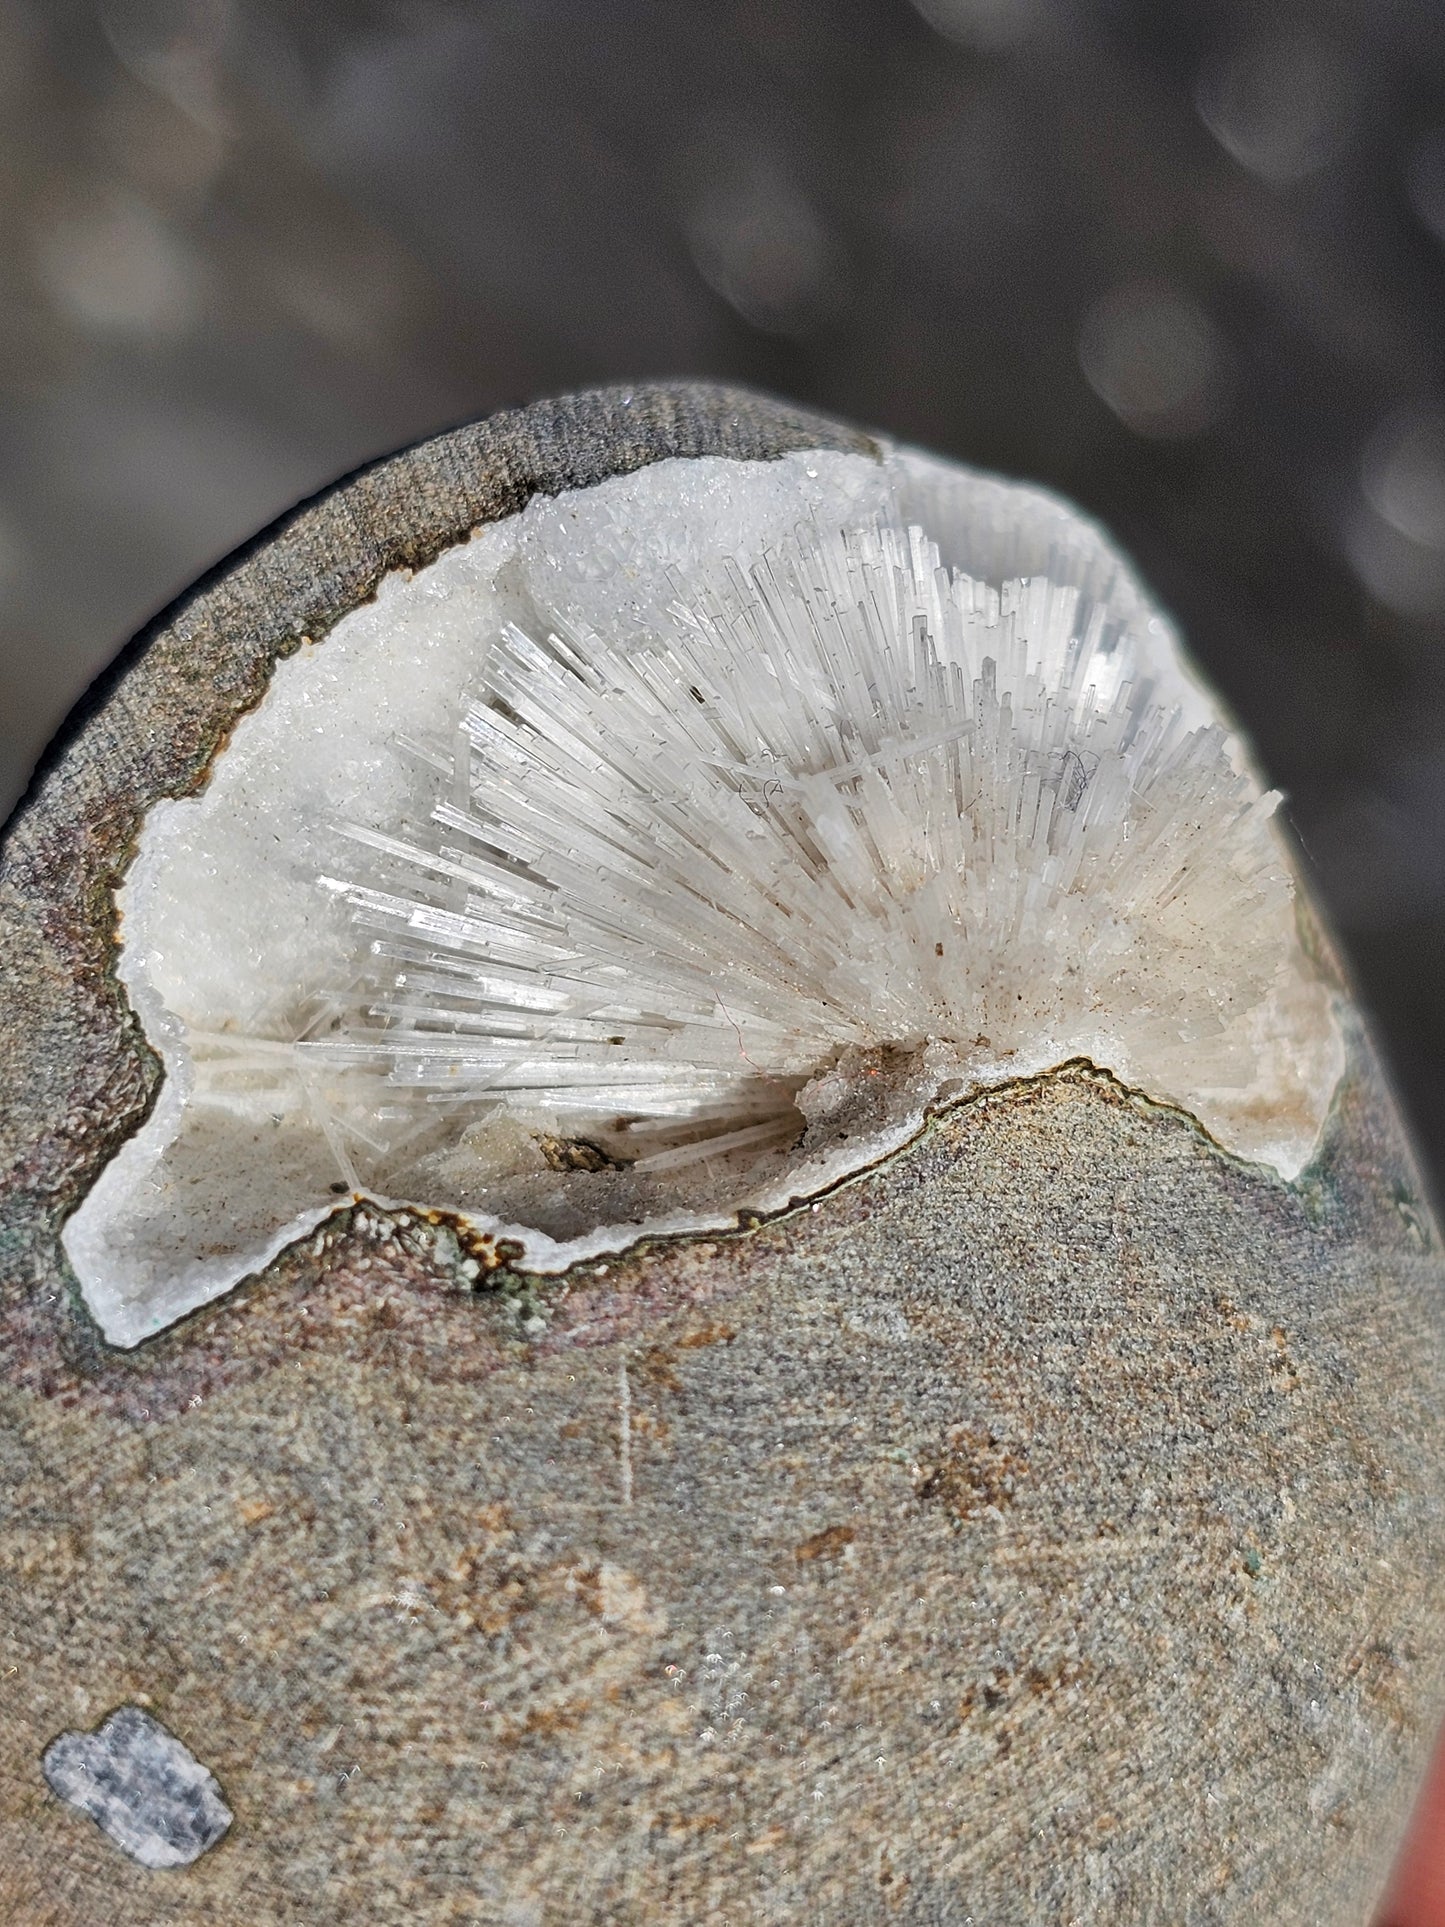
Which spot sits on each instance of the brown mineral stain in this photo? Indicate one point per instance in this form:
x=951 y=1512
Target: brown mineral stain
x=655 y=1367
x=707 y=1335
x=679 y=1825
x=617 y=1597
x=1231 y=1314
x=547 y=1720
x=973 y=1473
x=828 y=1544
x=575 y=1154
x=1284 y=1373
x=1006 y=1687
x=893 y=1884
x=767 y=1842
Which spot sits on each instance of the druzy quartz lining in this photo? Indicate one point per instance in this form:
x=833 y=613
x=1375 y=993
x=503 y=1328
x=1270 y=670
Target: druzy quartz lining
x=666 y=850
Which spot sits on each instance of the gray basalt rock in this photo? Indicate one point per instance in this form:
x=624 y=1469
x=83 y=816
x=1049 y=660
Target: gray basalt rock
x=1040 y=1521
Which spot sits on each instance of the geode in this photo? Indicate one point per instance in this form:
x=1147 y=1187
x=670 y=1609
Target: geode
x=694 y=1223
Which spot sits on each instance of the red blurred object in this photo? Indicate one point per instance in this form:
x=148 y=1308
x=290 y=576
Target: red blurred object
x=1416 y=1894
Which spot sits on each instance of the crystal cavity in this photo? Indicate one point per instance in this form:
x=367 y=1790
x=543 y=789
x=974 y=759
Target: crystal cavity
x=666 y=850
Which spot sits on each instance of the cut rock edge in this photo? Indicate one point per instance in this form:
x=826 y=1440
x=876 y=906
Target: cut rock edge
x=512 y=1246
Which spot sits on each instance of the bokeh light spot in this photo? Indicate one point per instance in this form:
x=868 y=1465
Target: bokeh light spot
x=1151 y=353
x=1280 y=103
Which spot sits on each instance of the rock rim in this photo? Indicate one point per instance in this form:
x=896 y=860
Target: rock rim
x=1047 y=1523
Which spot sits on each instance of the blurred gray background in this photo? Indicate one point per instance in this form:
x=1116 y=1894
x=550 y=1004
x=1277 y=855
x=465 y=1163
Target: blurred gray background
x=1184 y=262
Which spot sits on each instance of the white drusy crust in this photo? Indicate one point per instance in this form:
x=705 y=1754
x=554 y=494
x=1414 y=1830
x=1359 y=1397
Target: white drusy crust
x=666 y=850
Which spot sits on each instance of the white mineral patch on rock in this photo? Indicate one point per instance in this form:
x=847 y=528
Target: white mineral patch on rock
x=667 y=849
x=141 y=1786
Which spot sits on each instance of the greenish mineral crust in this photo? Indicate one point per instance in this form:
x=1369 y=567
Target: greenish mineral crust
x=1046 y=1524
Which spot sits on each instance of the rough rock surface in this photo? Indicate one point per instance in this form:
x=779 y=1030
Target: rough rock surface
x=140 y=1785
x=1045 y=1525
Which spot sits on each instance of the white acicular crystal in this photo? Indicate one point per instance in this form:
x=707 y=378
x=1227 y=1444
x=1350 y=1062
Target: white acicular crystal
x=667 y=849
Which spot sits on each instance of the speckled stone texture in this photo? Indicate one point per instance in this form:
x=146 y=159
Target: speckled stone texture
x=1044 y=1526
